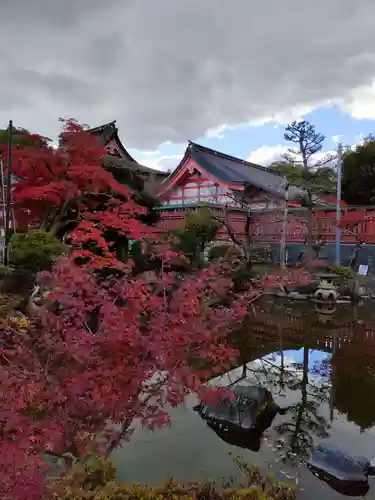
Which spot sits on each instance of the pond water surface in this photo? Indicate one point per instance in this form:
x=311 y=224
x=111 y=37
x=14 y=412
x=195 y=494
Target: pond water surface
x=319 y=366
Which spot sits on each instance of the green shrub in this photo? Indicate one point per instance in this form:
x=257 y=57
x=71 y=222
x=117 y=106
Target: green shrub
x=8 y=302
x=343 y=271
x=199 y=230
x=221 y=251
x=35 y=249
x=94 y=479
x=5 y=271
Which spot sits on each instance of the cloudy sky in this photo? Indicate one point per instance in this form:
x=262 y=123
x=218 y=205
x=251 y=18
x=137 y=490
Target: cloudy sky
x=227 y=74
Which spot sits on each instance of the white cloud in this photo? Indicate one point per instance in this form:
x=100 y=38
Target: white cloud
x=216 y=132
x=361 y=103
x=358 y=141
x=165 y=163
x=265 y=155
x=170 y=71
x=151 y=153
x=296 y=113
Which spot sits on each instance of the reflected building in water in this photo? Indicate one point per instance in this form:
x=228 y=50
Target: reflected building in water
x=314 y=371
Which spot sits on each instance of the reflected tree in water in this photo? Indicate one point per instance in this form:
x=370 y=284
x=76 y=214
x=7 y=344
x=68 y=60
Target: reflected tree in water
x=306 y=385
x=303 y=422
x=354 y=367
x=307 y=388
x=355 y=384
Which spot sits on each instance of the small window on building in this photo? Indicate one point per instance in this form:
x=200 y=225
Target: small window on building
x=208 y=190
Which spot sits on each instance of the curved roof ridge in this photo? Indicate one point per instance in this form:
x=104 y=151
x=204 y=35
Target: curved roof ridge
x=232 y=158
x=109 y=132
x=99 y=128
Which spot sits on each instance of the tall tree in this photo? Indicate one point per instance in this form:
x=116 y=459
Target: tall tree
x=358 y=177
x=21 y=137
x=320 y=180
x=307 y=142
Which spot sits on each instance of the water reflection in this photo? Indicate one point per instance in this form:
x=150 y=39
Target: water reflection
x=243 y=421
x=303 y=420
x=320 y=373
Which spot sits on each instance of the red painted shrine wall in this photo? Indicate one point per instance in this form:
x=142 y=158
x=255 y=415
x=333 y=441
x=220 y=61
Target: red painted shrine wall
x=267 y=224
x=174 y=219
x=191 y=185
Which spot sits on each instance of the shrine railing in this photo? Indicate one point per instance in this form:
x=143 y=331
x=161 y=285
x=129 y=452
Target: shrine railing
x=268 y=225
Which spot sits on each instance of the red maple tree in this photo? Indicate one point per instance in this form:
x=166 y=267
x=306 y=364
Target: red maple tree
x=109 y=345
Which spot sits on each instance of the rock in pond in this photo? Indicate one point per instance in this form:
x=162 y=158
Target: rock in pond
x=242 y=421
x=343 y=472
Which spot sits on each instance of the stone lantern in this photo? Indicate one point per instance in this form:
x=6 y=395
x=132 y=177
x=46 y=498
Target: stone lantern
x=327 y=287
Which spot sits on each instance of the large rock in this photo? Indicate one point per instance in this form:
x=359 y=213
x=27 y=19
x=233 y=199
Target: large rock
x=343 y=472
x=242 y=421
x=249 y=402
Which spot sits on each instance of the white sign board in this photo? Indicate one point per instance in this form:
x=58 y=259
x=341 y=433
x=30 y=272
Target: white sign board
x=362 y=270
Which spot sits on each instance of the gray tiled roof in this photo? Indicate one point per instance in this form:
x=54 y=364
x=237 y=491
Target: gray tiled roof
x=108 y=132
x=133 y=166
x=234 y=170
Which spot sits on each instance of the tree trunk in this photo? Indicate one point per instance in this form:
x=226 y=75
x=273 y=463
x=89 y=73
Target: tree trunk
x=248 y=241
x=310 y=227
x=305 y=381
x=354 y=257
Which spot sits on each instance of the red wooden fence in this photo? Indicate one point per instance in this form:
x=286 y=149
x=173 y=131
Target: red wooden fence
x=267 y=225
x=359 y=225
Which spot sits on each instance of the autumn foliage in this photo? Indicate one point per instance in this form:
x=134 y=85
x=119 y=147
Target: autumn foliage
x=109 y=344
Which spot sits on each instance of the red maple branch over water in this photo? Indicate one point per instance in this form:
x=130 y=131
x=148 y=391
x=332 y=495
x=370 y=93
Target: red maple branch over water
x=109 y=345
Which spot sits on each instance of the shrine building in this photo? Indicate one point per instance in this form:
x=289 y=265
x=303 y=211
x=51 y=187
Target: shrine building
x=231 y=187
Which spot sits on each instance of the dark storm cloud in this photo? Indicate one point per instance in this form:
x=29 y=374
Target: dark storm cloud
x=171 y=69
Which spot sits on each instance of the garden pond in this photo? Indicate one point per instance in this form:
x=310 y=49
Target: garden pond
x=316 y=366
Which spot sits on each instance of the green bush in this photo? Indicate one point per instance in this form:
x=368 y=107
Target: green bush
x=35 y=249
x=221 y=251
x=199 y=230
x=343 y=271
x=94 y=479
x=5 y=271
x=8 y=302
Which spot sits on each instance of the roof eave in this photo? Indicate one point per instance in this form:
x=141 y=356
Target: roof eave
x=173 y=174
x=111 y=126
x=100 y=128
x=133 y=165
x=122 y=148
x=233 y=158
